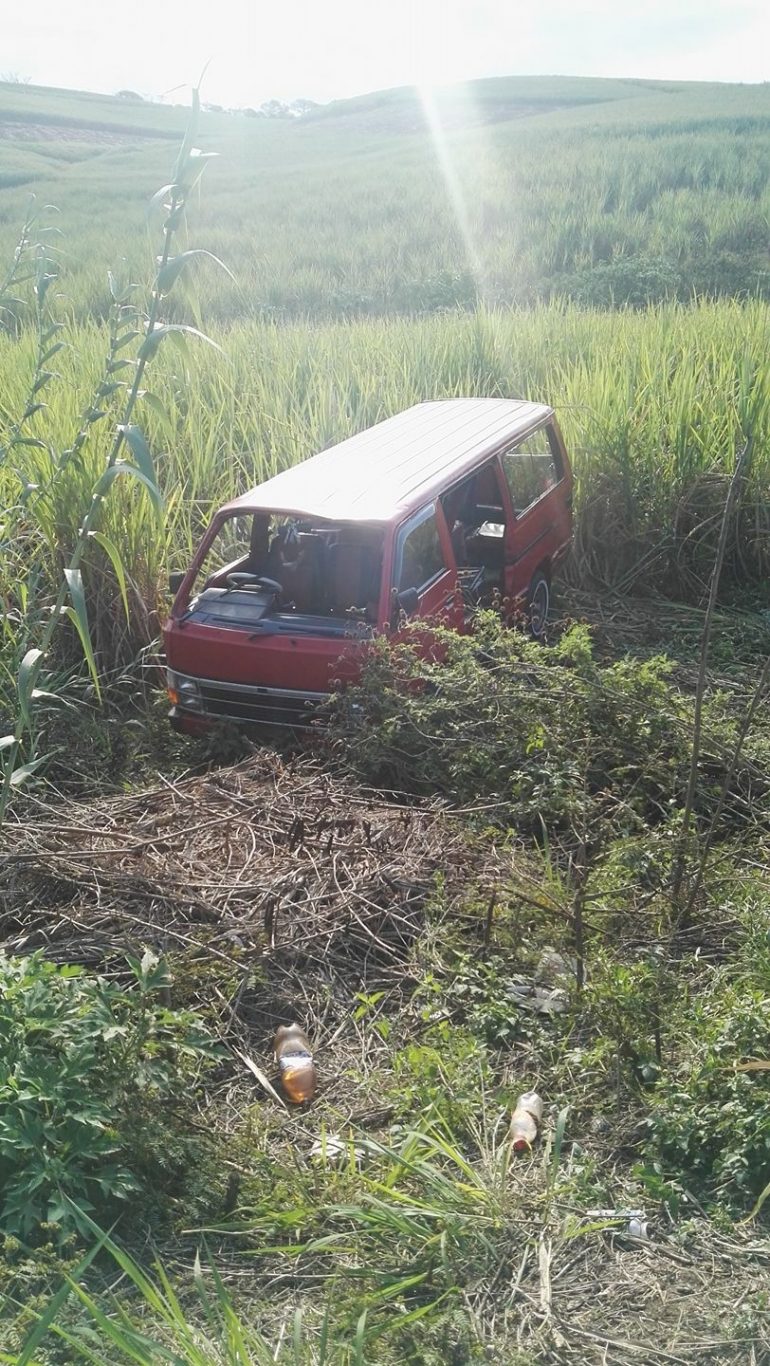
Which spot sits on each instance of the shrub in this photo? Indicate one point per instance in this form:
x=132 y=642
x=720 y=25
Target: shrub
x=710 y=1126
x=635 y=282
x=84 y=1065
x=536 y=737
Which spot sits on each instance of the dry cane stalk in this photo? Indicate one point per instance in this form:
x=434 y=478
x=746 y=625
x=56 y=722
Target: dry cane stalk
x=681 y=854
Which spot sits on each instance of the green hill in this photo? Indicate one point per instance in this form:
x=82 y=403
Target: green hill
x=503 y=191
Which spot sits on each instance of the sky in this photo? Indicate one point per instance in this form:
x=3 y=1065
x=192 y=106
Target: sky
x=330 y=49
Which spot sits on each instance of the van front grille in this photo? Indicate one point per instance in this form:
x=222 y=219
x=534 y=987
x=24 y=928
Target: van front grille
x=244 y=703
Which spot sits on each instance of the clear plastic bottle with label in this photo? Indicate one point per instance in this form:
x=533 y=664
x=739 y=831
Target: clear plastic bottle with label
x=525 y=1121
x=294 y=1056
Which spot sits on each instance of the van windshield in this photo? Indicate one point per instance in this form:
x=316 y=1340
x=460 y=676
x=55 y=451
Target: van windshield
x=296 y=572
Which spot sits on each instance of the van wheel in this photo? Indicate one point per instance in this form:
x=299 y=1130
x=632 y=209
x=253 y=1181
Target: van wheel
x=538 y=602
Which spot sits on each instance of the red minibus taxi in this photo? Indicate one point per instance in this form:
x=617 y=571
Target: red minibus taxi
x=445 y=507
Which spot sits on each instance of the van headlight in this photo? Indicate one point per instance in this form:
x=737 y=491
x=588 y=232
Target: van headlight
x=184 y=691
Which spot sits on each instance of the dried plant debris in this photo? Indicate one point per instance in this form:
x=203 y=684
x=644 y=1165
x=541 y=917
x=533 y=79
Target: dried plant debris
x=267 y=857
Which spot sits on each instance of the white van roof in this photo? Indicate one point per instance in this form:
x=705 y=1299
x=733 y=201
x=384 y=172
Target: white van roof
x=398 y=465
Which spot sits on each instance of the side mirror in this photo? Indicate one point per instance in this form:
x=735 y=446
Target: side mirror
x=176 y=579
x=409 y=601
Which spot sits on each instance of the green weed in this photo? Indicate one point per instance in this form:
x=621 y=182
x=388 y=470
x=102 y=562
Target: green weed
x=84 y=1067
x=709 y=1126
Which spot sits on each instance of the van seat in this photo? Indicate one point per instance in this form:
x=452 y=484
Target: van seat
x=353 y=575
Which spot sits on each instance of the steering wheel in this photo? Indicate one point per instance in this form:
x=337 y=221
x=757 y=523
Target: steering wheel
x=258 y=581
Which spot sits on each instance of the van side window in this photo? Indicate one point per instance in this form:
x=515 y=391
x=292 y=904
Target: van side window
x=531 y=469
x=420 y=556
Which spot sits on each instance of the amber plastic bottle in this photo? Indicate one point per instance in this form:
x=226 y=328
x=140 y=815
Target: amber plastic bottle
x=525 y=1120
x=294 y=1056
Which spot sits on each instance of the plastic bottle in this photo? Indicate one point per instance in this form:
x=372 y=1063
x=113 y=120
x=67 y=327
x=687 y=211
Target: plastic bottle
x=525 y=1120
x=294 y=1056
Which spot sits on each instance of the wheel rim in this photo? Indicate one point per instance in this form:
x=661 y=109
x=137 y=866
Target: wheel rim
x=538 y=608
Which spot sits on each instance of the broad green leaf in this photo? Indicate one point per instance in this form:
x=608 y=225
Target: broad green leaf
x=153 y=340
x=143 y=457
x=124 y=340
x=106 y=479
x=175 y=217
x=38 y=693
x=112 y=552
x=558 y=1143
x=7 y=740
x=324 y=1338
x=44 y=378
x=162 y=199
x=149 y=961
x=196 y=165
x=119 y=289
x=28 y=672
x=20 y=775
x=359 y=1343
x=78 y=615
x=42 y=285
x=757 y=1207
x=159 y=409
x=27 y=488
x=187 y=141
x=179 y=341
x=168 y=274
x=297 y=1337
x=140 y=450
x=110 y=387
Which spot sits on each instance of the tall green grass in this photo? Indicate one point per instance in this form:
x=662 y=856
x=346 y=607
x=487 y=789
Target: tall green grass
x=33 y=609
x=652 y=405
x=403 y=1245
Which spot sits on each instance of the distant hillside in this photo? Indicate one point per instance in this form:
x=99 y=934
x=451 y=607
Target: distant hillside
x=494 y=100
x=505 y=190
x=45 y=107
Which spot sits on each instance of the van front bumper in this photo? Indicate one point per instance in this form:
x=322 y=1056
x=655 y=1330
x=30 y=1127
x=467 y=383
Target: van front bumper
x=199 y=703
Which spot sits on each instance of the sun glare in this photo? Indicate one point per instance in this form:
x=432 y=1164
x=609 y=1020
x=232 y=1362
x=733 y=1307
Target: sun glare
x=441 y=107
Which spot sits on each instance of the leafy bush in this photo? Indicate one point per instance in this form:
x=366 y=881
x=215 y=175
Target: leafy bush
x=538 y=737
x=635 y=282
x=710 y=1126
x=481 y=989
x=84 y=1064
x=622 y=1008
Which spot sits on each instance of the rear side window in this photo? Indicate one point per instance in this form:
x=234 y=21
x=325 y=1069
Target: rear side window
x=531 y=469
x=420 y=558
